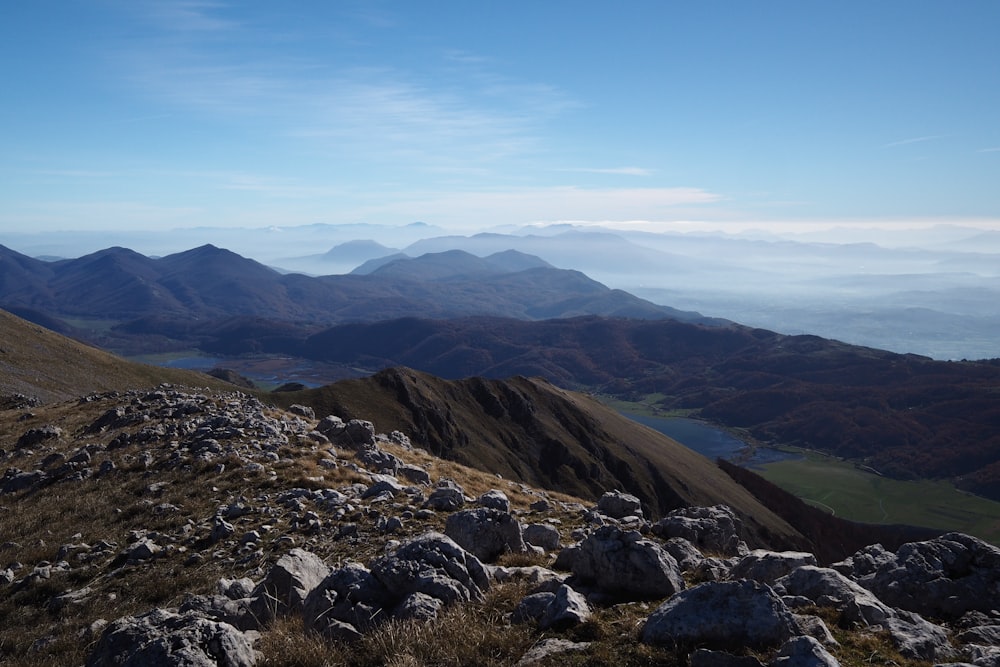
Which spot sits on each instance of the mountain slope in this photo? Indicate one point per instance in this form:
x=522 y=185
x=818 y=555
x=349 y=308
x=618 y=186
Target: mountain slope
x=40 y=365
x=533 y=432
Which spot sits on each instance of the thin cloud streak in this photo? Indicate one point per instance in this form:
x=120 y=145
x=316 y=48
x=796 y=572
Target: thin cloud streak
x=623 y=171
x=914 y=140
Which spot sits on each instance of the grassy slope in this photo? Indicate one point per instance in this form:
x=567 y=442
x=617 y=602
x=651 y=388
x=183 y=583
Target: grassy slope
x=851 y=493
x=37 y=362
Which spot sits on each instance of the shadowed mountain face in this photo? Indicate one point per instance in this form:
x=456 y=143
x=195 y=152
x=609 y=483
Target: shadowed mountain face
x=531 y=431
x=211 y=283
x=907 y=416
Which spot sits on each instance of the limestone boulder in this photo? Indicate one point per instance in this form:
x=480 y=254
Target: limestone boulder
x=720 y=615
x=486 y=533
x=625 y=564
x=162 y=638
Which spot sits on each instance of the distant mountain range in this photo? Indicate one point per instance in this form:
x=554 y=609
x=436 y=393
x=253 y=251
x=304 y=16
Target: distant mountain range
x=210 y=283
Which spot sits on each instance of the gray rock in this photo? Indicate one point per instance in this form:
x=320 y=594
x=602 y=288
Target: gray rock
x=542 y=535
x=625 y=564
x=236 y=613
x=942 y=578
x=768 y=566
x=16 y=480
x=984 y=656
x=714 y=530
x=288 y=583
x=827 y=587
x=414 y=474
x=566 y=609
x=686 y=554
x=348 y=596
x=495 y=499
x=418 y=607
x=804 y=652
x=486 y=533
x=987 y=635
x=380 y=461
x=815 y=627
x=383 y=484
x=722 y=615
x=547 y=648
x=356 y=434
x=532 y=607
x=302 y=411
x=446 y=496
x=435 y=565
x=912 y=635
x=140 y=550
x=618 y=505
x=161 y=638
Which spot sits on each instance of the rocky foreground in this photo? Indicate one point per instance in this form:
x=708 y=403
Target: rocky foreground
x=202 y=523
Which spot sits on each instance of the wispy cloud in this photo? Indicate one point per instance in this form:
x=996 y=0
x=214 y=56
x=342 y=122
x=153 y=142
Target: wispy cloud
x=360 y=113
x=622 y=171
x=187 y=15
x=989 y=150
x=914 y=140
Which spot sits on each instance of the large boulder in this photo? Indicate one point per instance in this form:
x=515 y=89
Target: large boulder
x=618 y=505
x=346 y=603
x=942 y=578
x=767 y=566
x=435 y=565
x=287 y=584
x=912 y=635
x=485 y=532
x=715 y=530
x=624 y=564
x=721 y=615
x=162 y=638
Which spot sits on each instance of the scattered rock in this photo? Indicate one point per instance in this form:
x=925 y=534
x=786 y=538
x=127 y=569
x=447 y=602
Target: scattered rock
x=542 y=535
x=162 y=637
x=287 y=584
x=447 y=496
x=566 y=609
x=626 y=564
x=618 y=505
x=549 y=647
x=804 y=652
x=495 y=499
x=768 y=566
x=714 y=530
x=722 y=615
x=485 y=532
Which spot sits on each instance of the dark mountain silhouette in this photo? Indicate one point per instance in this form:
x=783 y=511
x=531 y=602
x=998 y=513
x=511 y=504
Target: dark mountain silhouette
x=211 y=283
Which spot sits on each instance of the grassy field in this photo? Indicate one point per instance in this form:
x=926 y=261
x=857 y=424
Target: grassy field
x=851 y=493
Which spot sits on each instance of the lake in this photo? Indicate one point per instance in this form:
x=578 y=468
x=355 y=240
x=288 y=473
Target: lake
x=711 y=441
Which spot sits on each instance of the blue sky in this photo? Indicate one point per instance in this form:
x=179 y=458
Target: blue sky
x=125 y=114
